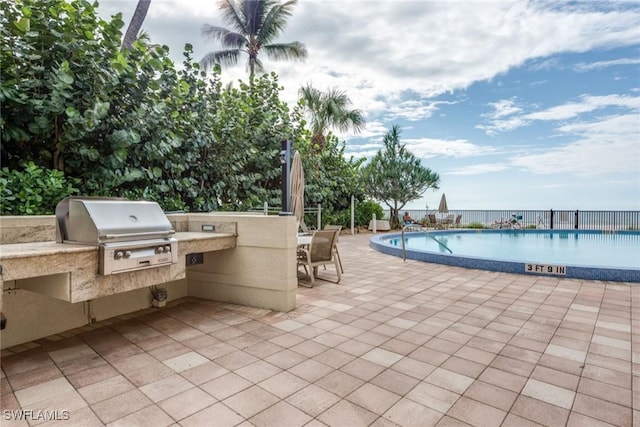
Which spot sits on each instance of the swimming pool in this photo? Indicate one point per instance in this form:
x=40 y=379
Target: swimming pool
x=594 y=255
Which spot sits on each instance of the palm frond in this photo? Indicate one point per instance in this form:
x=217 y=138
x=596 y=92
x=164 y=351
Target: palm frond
x=224 y=57
x=228 y=38
x=311 y=100
x=330 y=110
x=233 y=15
x=254 y=23
x=274 y=22
x=254 y=12
x=351 y=119
x=286 y=51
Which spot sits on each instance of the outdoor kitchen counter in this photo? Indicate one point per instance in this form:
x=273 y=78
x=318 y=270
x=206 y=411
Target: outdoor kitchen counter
x=70 y=271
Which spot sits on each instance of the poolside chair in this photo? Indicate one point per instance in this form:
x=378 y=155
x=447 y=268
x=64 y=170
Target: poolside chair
x=433 y=221
x=458 y=221
x=335 y=245
x=304 y=228
x=319 y=252
x=515 y=221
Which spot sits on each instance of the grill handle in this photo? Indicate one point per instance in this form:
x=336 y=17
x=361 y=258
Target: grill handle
x=144 y=234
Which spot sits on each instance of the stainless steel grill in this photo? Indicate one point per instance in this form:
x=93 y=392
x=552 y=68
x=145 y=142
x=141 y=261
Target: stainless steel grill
x=131 y=235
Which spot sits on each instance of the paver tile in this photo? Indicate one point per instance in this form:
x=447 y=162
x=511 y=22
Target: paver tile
x=151 y=416
x=602 y=410
x=549 y=393
x=433 y=397
x=121 y=405
x=406 y=412
x=373 y=398
x=313 y=400
x=495 y=396
x=223 y=416
x=250 y=401
x=394 y=344
x=345 y=413
x=476 y=413
x=186 y=403
x=282 y=414
x=283 y=384
x=540 y=412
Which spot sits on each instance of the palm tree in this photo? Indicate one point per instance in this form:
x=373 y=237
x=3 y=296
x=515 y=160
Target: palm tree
x=136 y=23
x=328 y=110
x=255 y=24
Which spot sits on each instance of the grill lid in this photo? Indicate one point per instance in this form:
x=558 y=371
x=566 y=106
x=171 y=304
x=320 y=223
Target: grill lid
x=97 y=220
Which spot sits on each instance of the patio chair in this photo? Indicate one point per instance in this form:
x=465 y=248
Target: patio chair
x=433 y=221
x=436 y=223
x=515 y=221
x=458 y=221
x=512 y=222
x=335 y=245
x=319 y=252
x=304 y=228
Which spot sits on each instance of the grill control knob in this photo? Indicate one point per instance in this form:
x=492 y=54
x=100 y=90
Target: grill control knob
x=118 y=255
x=167 y=248
x=127 y=254
x=160 y=249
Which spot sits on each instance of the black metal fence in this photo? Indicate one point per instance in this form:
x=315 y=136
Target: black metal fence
x=545 y=219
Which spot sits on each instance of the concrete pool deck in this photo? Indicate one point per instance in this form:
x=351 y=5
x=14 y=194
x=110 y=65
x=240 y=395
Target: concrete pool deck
x=395 y=343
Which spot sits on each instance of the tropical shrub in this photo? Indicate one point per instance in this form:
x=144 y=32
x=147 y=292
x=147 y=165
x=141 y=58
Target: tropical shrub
x=129 y=123
x=475 y=225
x=362 y=214
x=395 y=176
x=33 y=190
x=330 y=178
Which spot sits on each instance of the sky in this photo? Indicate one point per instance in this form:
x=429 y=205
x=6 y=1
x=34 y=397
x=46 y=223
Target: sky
x=515 y=104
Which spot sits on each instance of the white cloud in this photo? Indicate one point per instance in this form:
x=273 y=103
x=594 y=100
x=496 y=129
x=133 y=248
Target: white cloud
x=503 y=125
x=413 y=110
x=384 y=52
x=379 y=49
x=425 y=148
x=605 y=146
x=600 y=145
x=583 y=67
x=429 y=147
x=504 y=107
x=587 y=104
x=479 y=169
x=505 y=116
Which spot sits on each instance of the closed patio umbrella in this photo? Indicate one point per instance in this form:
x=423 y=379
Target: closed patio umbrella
x=297 y=188
x=443 y=208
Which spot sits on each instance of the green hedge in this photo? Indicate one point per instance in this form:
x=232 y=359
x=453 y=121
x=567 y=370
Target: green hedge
x=33 y=190
x=362 y=215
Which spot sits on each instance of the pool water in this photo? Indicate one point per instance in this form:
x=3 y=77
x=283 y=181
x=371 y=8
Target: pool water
x=549 y=247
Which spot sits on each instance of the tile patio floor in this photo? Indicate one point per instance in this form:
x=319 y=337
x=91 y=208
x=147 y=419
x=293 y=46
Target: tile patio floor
x=409 y=344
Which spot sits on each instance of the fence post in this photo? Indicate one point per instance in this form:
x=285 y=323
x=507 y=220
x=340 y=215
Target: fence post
x=266 y=208
x=374 y=221
x=319 y=217
x=576 y=222
x=551 y=220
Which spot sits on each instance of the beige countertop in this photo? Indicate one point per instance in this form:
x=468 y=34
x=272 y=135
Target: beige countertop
x=36 y=249
x=72 y=269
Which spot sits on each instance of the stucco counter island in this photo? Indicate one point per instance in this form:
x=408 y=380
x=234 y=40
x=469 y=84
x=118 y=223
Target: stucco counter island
x=50 y=287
